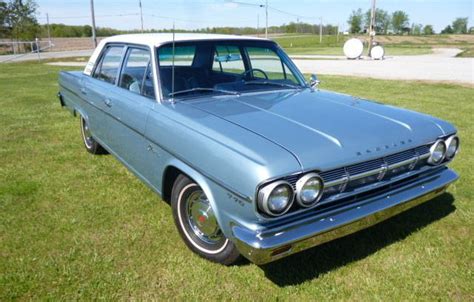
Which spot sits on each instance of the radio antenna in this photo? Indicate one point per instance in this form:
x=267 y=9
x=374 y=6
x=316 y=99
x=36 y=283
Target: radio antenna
x=172 y=65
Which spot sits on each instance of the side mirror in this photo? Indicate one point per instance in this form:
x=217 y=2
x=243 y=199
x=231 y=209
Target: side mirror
x=313 y=81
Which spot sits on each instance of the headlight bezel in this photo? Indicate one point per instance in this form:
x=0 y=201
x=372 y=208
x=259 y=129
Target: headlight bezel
x=432 y=150
x=265 y=193
x=448 y=142
x=300 y=185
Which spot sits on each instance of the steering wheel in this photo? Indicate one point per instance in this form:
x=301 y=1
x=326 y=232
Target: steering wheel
x=245 y=73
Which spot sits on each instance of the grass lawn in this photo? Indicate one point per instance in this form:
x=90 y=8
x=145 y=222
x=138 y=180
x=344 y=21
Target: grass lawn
x=467 y=52
x=77 y=226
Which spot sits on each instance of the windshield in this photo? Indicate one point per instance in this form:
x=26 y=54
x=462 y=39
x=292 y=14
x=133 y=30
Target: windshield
x=225 y=67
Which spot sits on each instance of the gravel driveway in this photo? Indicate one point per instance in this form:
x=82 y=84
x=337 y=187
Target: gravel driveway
x=442 y=65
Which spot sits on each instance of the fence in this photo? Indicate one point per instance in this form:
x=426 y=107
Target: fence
x=17 y=49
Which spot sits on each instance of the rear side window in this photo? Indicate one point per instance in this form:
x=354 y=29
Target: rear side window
x=137 y=74
x=183 y=55
x=108 y=67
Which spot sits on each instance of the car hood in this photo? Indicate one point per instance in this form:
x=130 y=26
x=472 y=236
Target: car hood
x=324 y=129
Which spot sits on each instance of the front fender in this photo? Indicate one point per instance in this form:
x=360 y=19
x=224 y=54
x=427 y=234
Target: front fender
x=228 y=207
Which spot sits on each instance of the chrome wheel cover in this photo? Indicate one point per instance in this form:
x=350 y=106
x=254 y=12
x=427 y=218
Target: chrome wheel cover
x=201 y=218
x=86 y=134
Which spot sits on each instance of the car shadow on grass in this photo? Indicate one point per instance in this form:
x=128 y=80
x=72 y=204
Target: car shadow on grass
x=316 y=261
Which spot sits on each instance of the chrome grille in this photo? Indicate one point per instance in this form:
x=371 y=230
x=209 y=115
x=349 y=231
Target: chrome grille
x=333 y=174
x=365 y=166
x=354 y=176
x=396 y=158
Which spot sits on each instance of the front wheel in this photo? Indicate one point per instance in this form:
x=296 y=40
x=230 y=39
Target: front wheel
x=197 y=223
x=92 y=146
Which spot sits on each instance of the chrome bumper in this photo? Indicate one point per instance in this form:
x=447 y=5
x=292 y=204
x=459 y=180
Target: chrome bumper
x=270 y=244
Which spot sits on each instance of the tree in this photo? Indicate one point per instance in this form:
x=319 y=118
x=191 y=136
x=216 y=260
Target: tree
x=460 y=26
x=428 y=30
x=22 y=20
x=355 y=21
x=3 y=19
x=447 y=30
x=382 y=20
x=416 y=29
x=400 y=20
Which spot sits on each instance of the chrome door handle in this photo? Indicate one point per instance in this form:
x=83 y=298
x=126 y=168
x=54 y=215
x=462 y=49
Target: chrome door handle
x=83 y=91
x=108 y=102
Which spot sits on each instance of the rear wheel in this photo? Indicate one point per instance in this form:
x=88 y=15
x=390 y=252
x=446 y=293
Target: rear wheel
x=197 y=223
x=92 y=146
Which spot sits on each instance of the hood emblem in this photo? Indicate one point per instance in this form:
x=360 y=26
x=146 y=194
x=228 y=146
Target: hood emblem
x=385 y=147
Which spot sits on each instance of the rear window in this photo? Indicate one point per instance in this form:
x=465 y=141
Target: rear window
x=183 y=55
x=108 y=67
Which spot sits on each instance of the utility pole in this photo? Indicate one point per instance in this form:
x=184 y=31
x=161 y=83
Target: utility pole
x=372 y=26
x=266 y=19
x=337 y=33
x=49 y=32
x=141 y=12
x=320 y=30
x=94 y=39
x=258 y=25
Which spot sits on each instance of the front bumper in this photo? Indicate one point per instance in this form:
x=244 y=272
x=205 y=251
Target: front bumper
x=267 y=245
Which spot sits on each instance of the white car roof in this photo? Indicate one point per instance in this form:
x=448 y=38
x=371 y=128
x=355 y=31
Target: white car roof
x=153 y=40
x=162 y=38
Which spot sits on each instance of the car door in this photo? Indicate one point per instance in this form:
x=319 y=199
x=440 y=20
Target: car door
x=97 y=90
x=128 y=105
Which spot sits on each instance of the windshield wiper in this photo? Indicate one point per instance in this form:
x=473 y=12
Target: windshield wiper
x=272 y=83
x=203 y=89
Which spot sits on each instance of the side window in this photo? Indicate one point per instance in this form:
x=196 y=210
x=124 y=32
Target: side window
x=137 y=74
x=267 y=60
x=228 y=59
x=108 y=67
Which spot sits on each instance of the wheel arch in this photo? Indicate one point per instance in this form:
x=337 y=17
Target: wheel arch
x=81 y=113
x=176 y=167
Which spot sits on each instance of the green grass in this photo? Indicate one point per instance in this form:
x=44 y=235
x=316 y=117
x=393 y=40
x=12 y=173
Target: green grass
x=76 y=226
x=467 y=53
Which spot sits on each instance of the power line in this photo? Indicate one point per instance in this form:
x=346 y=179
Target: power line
x=289 y=14
x=87 y=17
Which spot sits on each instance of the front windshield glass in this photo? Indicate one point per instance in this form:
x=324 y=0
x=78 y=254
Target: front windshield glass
x=225 y=67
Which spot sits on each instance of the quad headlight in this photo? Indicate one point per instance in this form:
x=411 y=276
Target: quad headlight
x=275 y=199
x=437 y=152
x=309 y=189
x=452 y=144
x=443 y=149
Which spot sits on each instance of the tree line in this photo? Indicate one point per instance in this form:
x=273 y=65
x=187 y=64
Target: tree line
x=18 y=22
x=398 y=22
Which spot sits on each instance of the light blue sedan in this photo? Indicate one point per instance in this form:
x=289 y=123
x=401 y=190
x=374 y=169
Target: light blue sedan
x=254 y=160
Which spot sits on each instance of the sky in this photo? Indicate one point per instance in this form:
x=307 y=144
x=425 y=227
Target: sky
x=187 y=14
